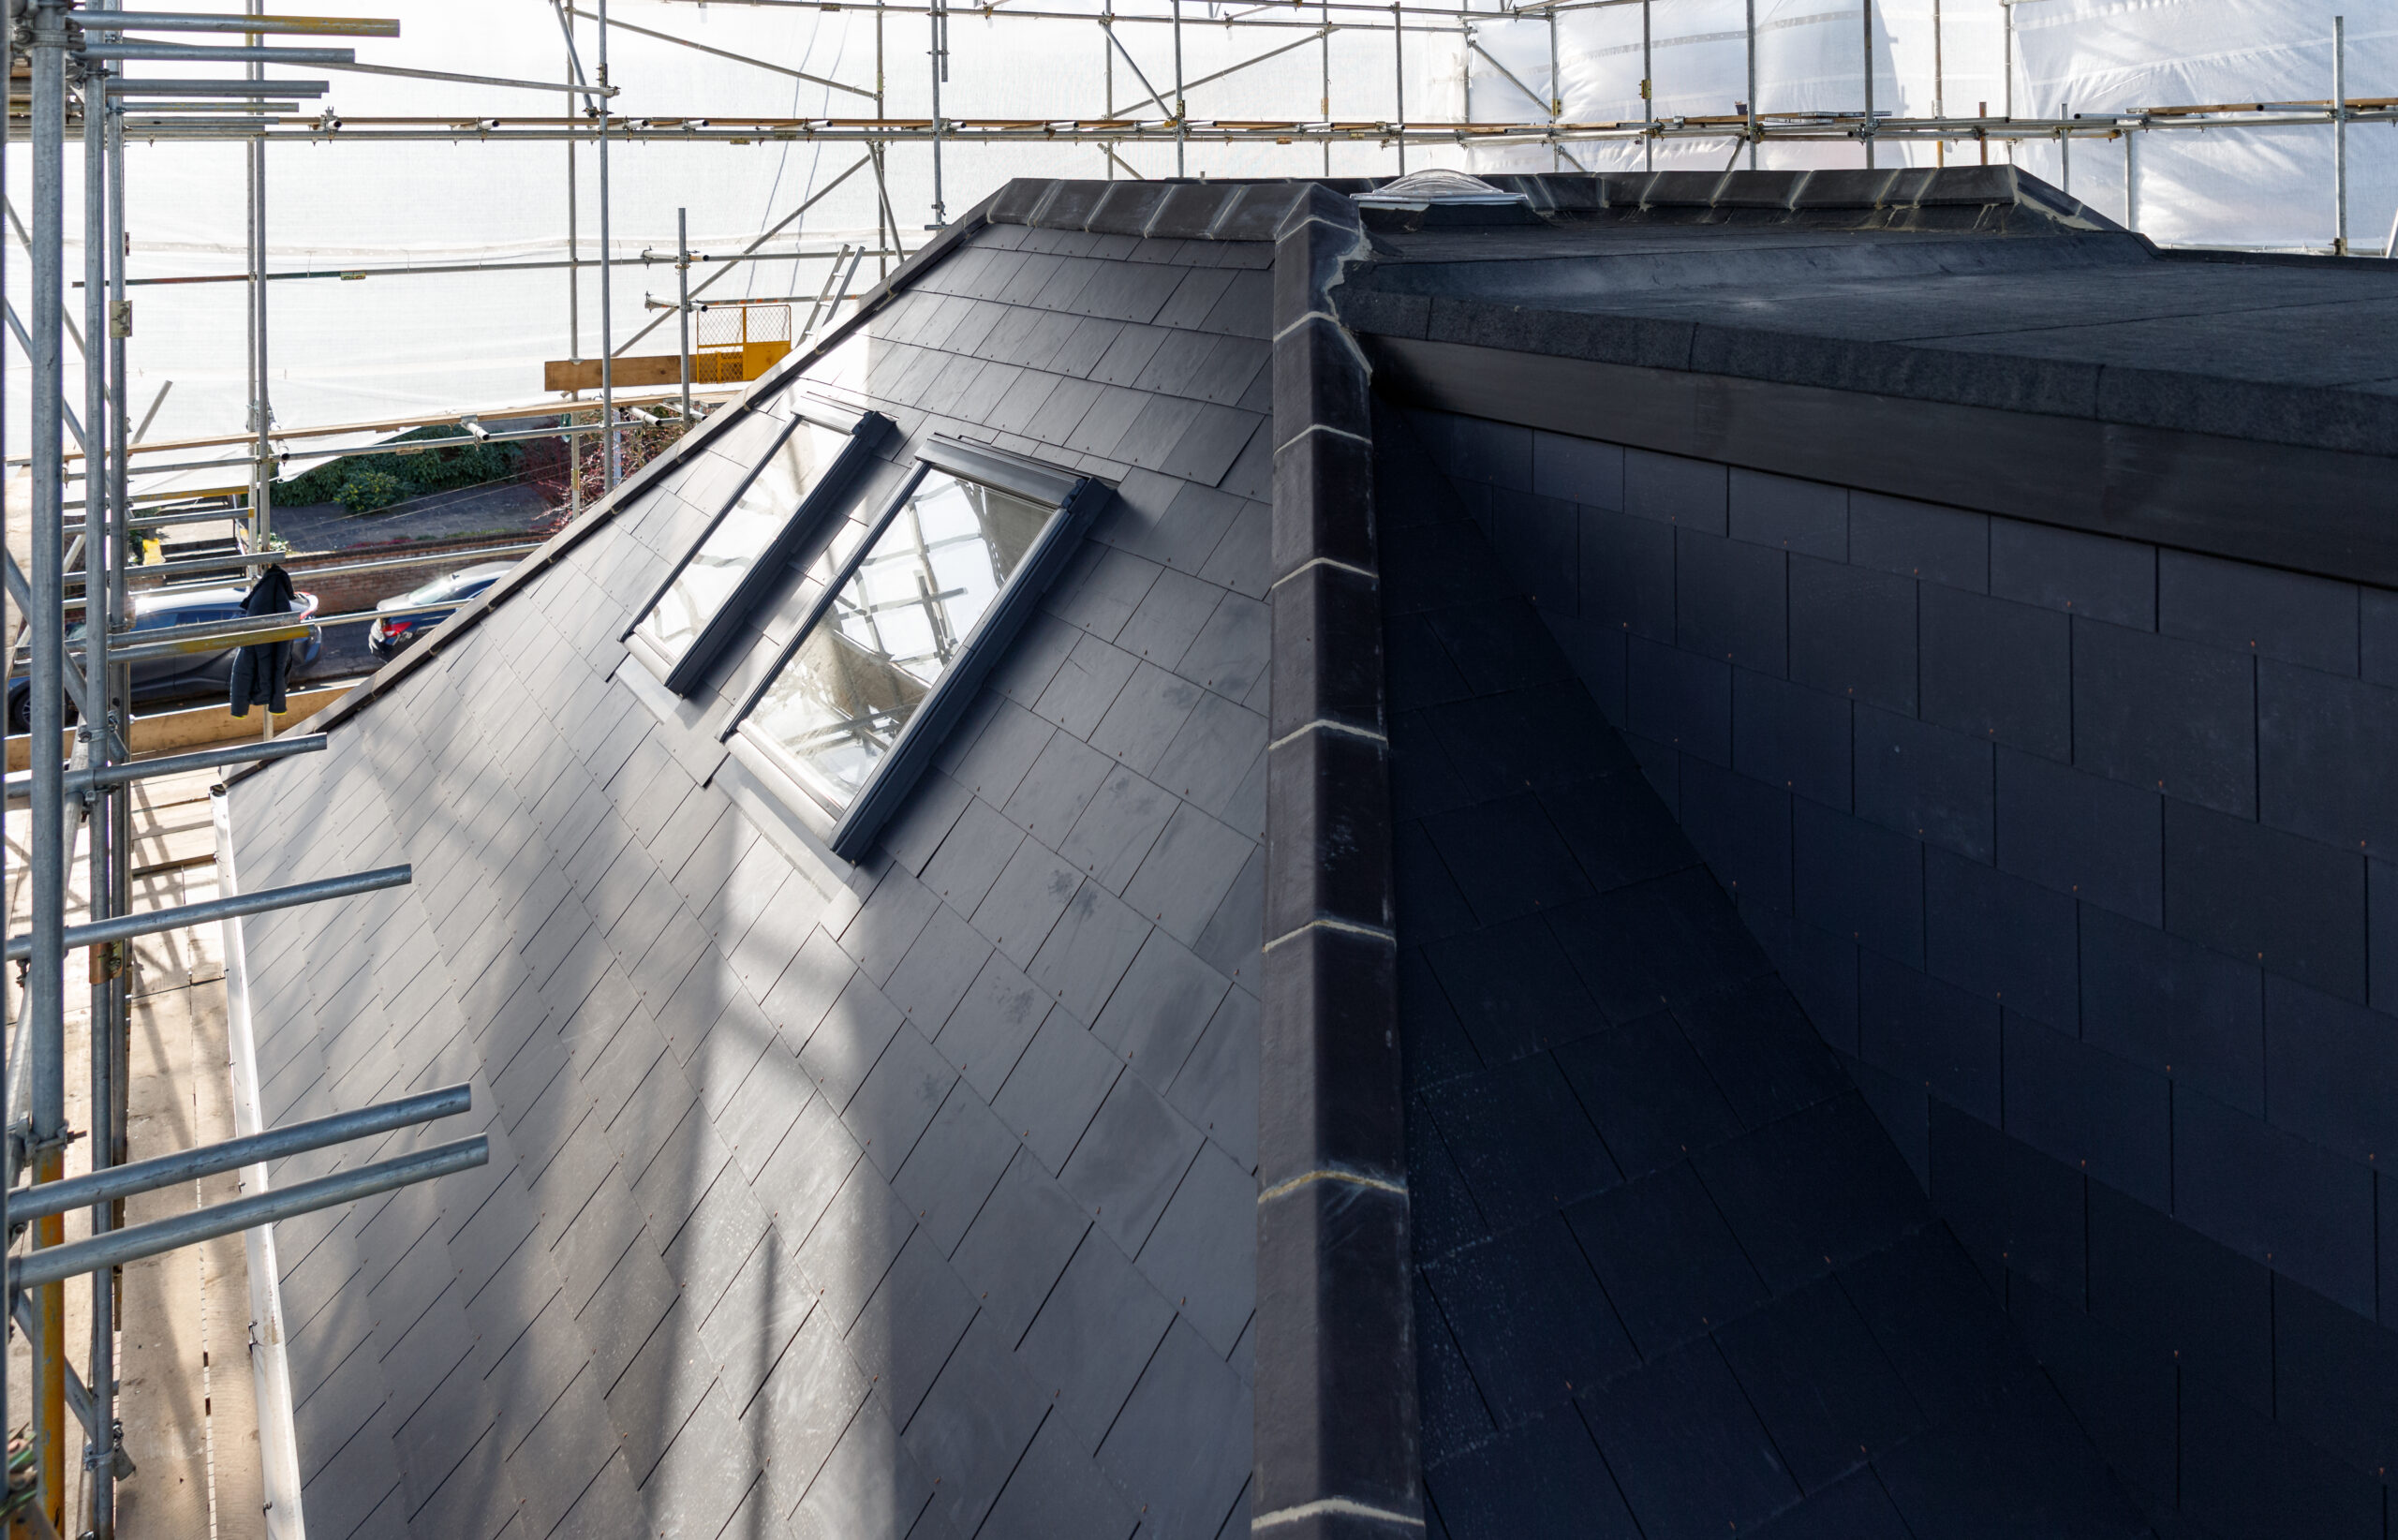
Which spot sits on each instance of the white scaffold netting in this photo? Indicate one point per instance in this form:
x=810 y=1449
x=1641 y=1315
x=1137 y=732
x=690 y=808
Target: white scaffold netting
x=433 y=342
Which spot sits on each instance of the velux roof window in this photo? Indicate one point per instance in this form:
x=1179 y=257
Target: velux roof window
x=807 y=476
x=896 y=646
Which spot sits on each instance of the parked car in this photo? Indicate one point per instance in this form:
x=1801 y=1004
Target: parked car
x=388 y=638
x=184 y=676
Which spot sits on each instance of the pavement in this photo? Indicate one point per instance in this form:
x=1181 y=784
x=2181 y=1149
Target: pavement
x=503 y=507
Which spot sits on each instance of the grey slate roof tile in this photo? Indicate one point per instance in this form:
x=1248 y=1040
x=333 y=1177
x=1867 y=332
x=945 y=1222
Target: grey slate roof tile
x=1032 y=662
x=755 y=1319
x=955 y=1166
x=560 y=1463
x=974 y=1426
x=939 y=968
x=1063 y=776
x=1117 y=828
x=990 y=1028
x=806 y=1169
x=1086 y=684
x=1015 y=1247
x=898 y=1099
x=1128 y=1161
x=704 y=1475
x=1214 y=1087
x=1194 y=1255
x=1182 y=1443
x=880 y=935
x=1092 y=1338
x=649 y=1404
x=871 y=1486
x=1102 y=428
x=1087 y=949
x=1055 y=1087
x=909 y=1326
x=802 y=1410
x=842 y=1050
x=853 y=1245
x=1026 y=901
x=1058 y=1489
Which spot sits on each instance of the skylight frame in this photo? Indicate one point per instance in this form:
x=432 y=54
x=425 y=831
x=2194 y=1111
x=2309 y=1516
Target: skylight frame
x=849 y=832
x=833 y=492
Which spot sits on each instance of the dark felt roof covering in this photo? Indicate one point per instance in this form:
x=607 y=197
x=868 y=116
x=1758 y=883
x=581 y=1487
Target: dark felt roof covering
x=1672 y=1277
x=921 y=1204
x=2076 y=323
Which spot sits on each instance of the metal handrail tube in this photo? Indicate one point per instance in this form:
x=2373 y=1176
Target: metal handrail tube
x=273 y=89
x=160 y=21
x=124 y=1181
x=79 y=781
x=126 y=926
x=57 y=1264
x=256 y=558
x=197 y=52
x=255 y=634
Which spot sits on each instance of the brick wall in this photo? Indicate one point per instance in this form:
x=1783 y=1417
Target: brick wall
x=2084 y=855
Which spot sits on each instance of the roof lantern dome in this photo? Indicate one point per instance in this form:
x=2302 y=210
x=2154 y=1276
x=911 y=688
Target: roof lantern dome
x=1441 y=196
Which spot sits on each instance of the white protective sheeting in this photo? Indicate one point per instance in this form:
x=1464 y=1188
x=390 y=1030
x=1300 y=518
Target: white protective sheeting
x=2232 y=186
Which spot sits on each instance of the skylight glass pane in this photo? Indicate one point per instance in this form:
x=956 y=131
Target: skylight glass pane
x=725 y=556
x=894 y=628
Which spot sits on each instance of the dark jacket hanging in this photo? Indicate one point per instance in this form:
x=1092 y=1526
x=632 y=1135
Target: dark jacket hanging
x=258 y=672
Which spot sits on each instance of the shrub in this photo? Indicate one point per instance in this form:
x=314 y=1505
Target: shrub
x=391 y=477
x=365 y=490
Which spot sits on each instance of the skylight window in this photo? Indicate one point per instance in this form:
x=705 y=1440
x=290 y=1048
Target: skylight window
x=904 y=634
x=806 y=476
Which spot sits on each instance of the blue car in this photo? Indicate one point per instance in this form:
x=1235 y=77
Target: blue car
x=388 y=638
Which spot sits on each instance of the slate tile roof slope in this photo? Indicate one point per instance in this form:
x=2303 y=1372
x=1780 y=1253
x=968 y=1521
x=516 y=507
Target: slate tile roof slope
x=919 y=1203
x=1672 y=1278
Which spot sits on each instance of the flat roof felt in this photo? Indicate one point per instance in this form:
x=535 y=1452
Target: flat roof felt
x=2075 y=323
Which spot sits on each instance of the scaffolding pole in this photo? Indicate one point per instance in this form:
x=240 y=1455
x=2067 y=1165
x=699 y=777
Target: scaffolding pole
x=45 y=1021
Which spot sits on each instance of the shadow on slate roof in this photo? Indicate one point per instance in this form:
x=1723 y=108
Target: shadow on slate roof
x=915 y=1205
x=1672 y=1277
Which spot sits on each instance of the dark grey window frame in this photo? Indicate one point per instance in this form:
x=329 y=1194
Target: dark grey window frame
x=829 y=495
x=850 y=833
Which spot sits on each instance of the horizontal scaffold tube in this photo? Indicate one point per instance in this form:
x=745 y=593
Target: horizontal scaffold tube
x=78 y=781
x=57 y=1264
x=126 y=926
x=124 y=1181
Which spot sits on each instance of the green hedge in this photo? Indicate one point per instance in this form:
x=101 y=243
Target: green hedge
x=365 y=483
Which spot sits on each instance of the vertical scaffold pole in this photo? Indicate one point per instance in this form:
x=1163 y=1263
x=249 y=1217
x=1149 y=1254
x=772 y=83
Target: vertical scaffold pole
x=936 y=16
x=1398 y=80
x=262 y=472
x=1868 y=85
x=1648 y=90
x=100 y=614
x=44 y=1026
x=1556 y=96
x=1182 y=126
x=612 y=466
x=683 y=305
x=2340 y=134
x=1751 y=104
x=573 y=290
x=120 y=696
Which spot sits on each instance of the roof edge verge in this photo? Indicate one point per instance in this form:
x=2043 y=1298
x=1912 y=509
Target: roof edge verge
x=1337 y=1437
